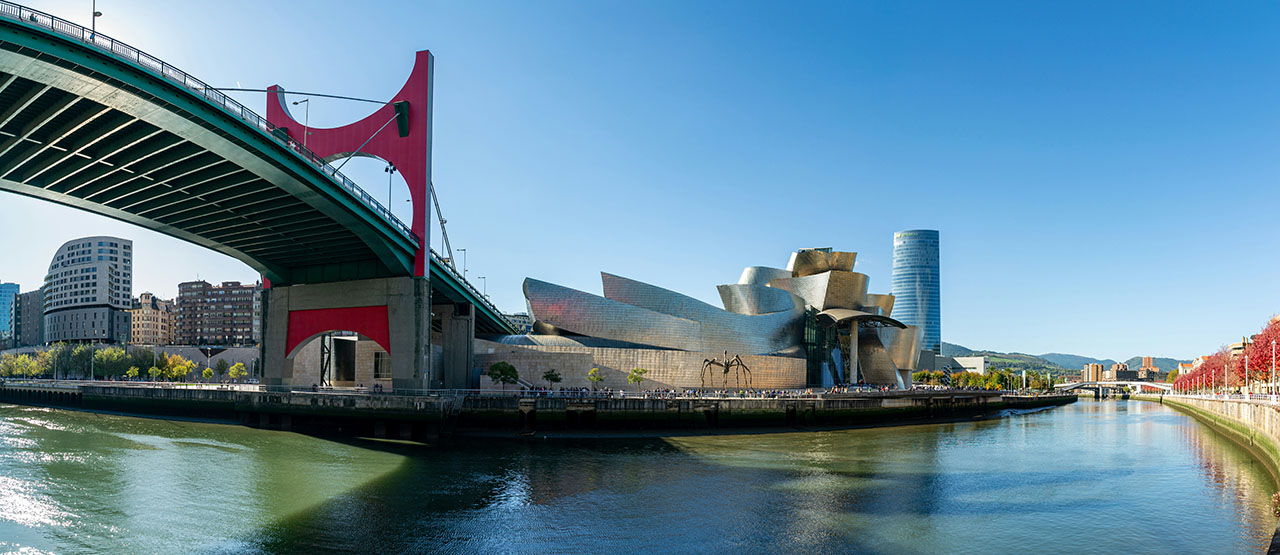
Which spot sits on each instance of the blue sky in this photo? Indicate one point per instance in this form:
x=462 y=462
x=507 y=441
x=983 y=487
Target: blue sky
x=1103 y=174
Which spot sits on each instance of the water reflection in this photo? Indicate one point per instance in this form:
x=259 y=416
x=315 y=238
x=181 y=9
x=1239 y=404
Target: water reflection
x=1127 y=476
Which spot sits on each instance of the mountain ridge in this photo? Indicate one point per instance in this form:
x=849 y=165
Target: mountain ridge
x=1065 y=361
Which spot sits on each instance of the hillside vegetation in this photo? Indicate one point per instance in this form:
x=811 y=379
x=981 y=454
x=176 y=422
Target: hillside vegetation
x=1049 y=362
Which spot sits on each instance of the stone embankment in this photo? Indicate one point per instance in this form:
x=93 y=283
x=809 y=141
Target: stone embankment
x=428 y=416
x=827 y=411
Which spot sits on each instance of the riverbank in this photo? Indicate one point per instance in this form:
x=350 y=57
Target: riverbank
x=94 y=483
x=1254 y=425
x=428 y=417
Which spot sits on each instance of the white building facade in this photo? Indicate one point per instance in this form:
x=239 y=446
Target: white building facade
x=88 y=291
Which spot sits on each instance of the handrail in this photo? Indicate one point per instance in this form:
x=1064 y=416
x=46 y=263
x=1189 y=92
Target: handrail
x=470 y=288
x=146 y=61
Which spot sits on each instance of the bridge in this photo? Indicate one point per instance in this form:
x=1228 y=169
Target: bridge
x=1113 y=384
x=90 y=122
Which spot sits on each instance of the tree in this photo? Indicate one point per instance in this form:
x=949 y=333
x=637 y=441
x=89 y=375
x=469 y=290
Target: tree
x=20 y=366
x=43 y=362
x=8 y=365
x=1173 y=376
x=142 y=357
x=208 y=373
x=59 y=358
x=236 y=371
x=132 y=373
x=111 y=361
x=636 y=376
x=503 y=373
x=81 y=363
x=594 y=377
x=221 y=367
x=552 y=377
x=177 y=367
x=155 y=373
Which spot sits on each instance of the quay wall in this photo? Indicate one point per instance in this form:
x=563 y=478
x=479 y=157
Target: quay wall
x=430 y=416
x=557 y=414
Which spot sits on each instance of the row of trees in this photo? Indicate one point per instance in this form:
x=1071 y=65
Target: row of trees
x=505 y=374
x=992 y=379
x=67 y=361
x=1256 y=364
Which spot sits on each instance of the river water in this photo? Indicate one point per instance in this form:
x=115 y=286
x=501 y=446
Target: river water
x=1091 y=477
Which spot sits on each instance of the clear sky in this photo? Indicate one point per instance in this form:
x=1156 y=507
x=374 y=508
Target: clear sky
x=1103 y=174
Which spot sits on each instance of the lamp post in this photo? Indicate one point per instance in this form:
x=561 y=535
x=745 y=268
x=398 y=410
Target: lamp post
x=485 y=284
x=306 y=120
x=1273 y=367
x=391 y=170
x=93 y=25
x=464 y=262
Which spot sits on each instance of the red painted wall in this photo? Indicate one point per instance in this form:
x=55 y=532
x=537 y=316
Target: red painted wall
x=369 y=321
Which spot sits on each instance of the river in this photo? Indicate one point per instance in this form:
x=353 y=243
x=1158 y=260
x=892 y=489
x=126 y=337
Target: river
x=1091 y=477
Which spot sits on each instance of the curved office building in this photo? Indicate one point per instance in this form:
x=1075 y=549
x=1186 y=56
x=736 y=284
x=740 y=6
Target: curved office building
x=88 y=291
x=917 y=301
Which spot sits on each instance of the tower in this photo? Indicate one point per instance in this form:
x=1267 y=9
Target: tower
x=916 y=285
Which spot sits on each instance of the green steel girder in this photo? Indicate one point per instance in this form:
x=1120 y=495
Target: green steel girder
x=444 y=282
x=134 y=172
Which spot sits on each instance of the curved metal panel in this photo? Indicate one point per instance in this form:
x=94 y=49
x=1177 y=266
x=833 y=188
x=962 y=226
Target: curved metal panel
x=721 y=330
x=877 y=366
x=586 y=314
x=903 y=345
x=841 y=316
x=761 y=275
x=811 y=262
x=564 y=341
x=827 y=290
x=885 y=302
x=756 y=299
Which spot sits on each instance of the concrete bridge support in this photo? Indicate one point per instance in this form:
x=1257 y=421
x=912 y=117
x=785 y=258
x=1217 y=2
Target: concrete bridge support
x=457 y=338
x=394 y=312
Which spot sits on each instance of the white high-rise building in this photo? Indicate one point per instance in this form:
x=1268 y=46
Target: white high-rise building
x=89 y=290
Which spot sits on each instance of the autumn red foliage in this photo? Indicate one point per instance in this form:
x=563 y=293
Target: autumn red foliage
x=1220 y=367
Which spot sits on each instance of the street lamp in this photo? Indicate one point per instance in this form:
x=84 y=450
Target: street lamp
x=93 y=25
x=306 y=121
x=391 y=170
x=464 y=262
x=484 y=283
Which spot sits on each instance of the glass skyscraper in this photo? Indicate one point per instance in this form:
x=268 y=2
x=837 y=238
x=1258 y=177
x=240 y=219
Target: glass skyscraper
x=8 y=294
x=917 y=301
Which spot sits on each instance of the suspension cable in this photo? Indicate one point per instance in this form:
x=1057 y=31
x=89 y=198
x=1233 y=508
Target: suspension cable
x=301 y=94
x=366 y=141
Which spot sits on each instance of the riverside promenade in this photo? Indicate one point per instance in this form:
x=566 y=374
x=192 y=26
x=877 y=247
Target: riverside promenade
x=430 y=414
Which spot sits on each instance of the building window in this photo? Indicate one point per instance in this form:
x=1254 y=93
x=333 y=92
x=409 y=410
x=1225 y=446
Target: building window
x=381 y=365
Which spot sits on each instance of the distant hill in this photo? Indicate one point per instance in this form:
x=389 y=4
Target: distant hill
x=1048 y=361
x=1076 y=361
x=953 y=350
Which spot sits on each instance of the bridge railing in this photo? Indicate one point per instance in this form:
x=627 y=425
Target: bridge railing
x=128 y=53
x=484 y=299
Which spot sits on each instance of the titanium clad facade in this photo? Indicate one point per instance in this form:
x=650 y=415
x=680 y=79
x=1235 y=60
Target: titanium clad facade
x=916 y=289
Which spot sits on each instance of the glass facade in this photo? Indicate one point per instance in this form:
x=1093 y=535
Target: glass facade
x=917 y=301
x=8 y=295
